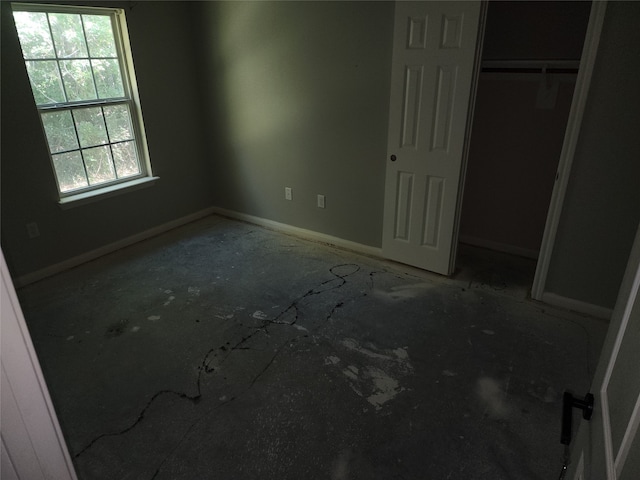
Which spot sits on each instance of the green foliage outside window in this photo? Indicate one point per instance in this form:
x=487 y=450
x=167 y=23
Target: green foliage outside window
x=73 y=66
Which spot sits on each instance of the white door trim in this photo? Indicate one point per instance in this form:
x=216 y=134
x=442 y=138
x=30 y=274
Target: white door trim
x=615 y=460
x=629 y=436
x=32 y=441
x=593 y=440
x=572 y=134
x=475 y=80
x=580 y=469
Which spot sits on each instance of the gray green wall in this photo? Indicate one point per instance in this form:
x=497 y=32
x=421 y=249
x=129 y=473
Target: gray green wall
x=243 y=99
x=298 y=95
x=164 y=58
x=602 y=205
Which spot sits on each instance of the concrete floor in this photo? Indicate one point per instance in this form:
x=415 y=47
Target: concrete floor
x=222 y=350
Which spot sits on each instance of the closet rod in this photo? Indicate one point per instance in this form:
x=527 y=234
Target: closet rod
x=528 y=70
x=531 y=66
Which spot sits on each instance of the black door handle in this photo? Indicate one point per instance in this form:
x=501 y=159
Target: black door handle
x=568 y=403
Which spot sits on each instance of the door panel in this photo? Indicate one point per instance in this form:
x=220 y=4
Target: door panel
x=433 y=211
x=443 y=111
x=404 y=190
x=631 y=469
x=32 y=443
x=624 y=395
x=610 y=441
x=619 y=389
x=412 y=102
x=432 y=72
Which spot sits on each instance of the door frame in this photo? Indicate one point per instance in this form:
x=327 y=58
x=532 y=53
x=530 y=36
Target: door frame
x=565 y=162
x=475 y=80
x=33 y=445
x=572 y=134
x=593 y=438
x=614 y=461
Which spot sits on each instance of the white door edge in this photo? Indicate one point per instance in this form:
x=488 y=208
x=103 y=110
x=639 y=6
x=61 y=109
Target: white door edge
x=580 y=468
x=477 y=68
x=594 y=438
x=572 y=133
x=35 y=432
x=629 y=436
x=615 y=460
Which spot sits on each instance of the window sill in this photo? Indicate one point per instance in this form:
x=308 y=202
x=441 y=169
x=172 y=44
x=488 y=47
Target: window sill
x=106 y=192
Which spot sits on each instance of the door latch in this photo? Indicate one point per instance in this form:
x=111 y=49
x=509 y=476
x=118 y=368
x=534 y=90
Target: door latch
x=568 y=403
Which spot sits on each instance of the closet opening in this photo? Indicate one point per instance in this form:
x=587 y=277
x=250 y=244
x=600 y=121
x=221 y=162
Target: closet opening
x=530 y=61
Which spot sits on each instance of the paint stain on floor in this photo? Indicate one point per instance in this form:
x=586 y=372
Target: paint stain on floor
x=116 y=329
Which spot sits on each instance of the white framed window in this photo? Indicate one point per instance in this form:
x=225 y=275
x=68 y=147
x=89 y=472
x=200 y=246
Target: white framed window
x=81 y=72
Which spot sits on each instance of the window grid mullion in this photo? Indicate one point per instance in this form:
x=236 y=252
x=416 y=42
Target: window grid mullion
x=83 y=103
x=113 y=161
x=122 y=59
x=86 y=42
x=104 y=121
x=118 y=142
x=106 y=129
x=80 y=149
x=72 y=58
x=57 y=59
x=84 y=34
x=84 y=166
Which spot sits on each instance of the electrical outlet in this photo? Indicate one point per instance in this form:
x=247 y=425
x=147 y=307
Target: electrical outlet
x=287 y=193
x=32 y=230
x=320 y=201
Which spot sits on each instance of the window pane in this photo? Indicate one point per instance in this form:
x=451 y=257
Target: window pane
x=108 y=78
x=81 y=86
x=67 y=35
x=70 y=171
x=78 y=81
x=118 y=123
x=125 y=158
x=61 y=134
x=90 y=126
x=99 y=35
x=99 y=165
x=45 y=82
x=33 y=31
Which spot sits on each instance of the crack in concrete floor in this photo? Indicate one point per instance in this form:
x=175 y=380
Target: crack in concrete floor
x=372 y=306
x=206 y=368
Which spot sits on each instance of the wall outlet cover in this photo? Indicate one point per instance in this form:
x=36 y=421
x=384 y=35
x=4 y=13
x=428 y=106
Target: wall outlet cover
x=32 y=230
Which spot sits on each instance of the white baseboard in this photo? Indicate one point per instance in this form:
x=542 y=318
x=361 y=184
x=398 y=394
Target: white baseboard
x=577 y=305
x=500 y=247
x=547 y=297
x=301 y=232
x=106 y=249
